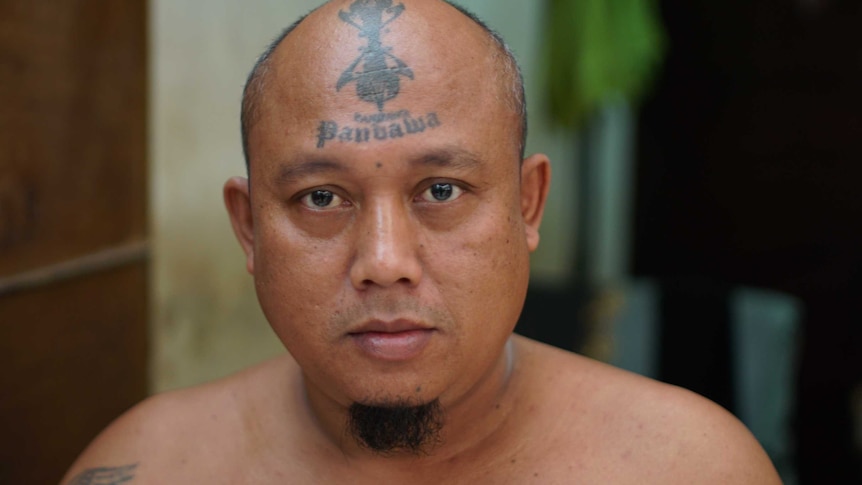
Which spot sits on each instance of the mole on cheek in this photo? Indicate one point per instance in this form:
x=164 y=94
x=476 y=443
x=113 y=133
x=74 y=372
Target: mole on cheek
x=379 y=165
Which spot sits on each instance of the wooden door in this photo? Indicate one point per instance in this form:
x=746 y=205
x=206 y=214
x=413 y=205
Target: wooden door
x=73 y=251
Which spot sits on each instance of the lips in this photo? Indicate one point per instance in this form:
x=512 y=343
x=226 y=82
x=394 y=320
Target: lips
x=397 y=340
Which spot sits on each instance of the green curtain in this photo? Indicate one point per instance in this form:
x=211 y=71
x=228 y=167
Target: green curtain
x=595 y=49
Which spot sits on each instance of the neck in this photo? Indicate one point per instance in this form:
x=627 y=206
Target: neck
x=472 y=419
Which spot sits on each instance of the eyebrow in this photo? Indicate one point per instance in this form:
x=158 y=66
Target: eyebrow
x=310 y=166
x=449 y=157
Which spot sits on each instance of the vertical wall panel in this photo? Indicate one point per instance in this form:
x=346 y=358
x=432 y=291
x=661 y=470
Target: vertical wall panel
x=73 y=267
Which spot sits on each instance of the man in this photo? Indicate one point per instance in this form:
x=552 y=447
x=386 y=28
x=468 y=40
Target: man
x=387 y=221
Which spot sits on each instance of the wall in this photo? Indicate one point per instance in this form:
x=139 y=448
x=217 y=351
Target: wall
x=205 y=318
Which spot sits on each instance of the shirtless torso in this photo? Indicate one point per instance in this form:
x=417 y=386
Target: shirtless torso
x=388 y=221
x=574 y=421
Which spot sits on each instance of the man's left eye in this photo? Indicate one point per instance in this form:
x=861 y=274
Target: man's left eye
x=322 y=199
x=441 y=192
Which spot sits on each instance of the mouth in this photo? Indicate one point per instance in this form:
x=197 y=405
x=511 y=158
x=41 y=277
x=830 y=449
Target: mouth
x=394 y=341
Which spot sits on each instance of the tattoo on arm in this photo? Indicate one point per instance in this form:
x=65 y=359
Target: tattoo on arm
x=105 y=475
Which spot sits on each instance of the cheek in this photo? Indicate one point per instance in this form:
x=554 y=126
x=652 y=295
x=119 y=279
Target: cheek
x=483 y=268
x=296 y=278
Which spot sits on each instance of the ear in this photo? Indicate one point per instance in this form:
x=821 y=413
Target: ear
x=238 y=202
x=535 y=182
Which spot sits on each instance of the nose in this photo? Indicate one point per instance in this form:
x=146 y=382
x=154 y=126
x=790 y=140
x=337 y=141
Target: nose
x=386 y=252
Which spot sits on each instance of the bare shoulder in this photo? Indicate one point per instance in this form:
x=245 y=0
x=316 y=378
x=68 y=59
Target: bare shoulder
x=646 y=430
x=172 y=434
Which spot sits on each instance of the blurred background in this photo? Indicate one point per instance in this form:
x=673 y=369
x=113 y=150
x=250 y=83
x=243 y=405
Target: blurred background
x=703 y=225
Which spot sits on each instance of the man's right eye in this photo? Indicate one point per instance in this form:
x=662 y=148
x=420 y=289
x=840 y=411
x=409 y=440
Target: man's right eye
x=321 y=199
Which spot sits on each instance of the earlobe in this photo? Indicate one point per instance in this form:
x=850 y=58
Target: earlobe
x=237 y=200
x=535 y=182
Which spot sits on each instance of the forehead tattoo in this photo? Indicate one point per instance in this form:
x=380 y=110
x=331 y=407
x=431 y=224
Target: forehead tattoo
x=377 y=73
x=379 y=79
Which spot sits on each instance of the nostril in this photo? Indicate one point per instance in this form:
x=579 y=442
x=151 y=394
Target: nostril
x=403 y=269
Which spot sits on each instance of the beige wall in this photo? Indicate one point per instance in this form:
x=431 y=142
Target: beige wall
x=205 y=319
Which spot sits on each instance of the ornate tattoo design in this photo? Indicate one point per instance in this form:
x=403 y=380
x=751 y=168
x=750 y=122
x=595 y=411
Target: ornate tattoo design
x=105 y=475
x=379 y=80
x=377 y=73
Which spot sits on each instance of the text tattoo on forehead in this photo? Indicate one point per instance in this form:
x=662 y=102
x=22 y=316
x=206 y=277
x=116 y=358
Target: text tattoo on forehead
x=404 y=124
x=377 y=73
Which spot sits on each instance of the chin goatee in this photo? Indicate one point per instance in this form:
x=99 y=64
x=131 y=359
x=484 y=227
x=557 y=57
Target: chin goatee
x=398 y=427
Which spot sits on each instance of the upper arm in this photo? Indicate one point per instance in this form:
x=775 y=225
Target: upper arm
x=715 y=447
x=125 y=448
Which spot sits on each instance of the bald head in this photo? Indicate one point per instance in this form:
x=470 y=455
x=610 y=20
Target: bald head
x=504 y=74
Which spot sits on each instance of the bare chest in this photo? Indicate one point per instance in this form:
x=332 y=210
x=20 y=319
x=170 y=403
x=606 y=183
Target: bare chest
x=552 y=464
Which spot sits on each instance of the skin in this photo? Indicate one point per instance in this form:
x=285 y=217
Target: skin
x=386 y=250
